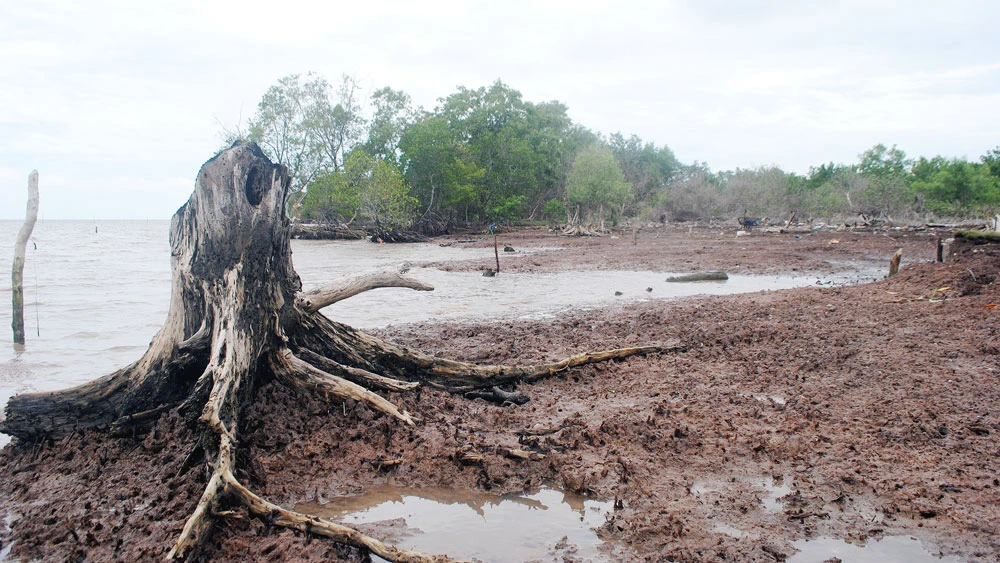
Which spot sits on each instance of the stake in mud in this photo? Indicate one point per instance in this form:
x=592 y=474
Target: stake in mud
x=238 y=317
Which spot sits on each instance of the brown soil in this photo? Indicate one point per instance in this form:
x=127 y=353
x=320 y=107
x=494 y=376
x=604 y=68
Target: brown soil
x=876 y=404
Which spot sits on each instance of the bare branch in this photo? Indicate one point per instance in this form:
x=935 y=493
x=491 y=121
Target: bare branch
x=456 y=376
x=300 y=374
x=356 y=375
x=325 y=528
x=349 y=286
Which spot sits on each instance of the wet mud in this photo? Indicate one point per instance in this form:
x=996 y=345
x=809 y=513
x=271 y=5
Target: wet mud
x=829 y=413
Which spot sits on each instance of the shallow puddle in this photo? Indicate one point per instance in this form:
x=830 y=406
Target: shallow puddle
x=540 y=526
x=890 y=549
x=774 y=489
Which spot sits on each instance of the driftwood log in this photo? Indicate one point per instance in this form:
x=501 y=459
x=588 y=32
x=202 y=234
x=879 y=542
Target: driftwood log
x=238 y=317
x=699 y=276
x=17 y=271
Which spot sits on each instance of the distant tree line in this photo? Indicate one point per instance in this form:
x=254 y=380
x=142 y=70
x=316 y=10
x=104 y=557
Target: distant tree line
x=488 y=155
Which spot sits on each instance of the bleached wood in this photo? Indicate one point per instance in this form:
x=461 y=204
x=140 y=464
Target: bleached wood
x=17 y=272
x=349 y=286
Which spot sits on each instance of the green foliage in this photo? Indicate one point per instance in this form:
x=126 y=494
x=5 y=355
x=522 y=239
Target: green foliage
x=393 y=114
x=509 y=208
x=596 y=183
x=445 y=178
x=366 y=188
x=282 y=126
x=554 y=210
x=981 y=236
x=954 y=187
x=488 y=154
x=646 y=167
x=886 y=171
x=297 y=125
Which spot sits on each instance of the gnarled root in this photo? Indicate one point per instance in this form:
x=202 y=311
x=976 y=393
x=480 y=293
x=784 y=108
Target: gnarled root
x=224 y=483
x=347 y=345
x=238 y=316
x=300 y=374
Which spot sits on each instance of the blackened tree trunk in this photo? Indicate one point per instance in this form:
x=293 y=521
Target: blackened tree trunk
x=237 y=316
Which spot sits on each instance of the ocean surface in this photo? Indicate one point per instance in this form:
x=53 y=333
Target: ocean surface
x=97 y=291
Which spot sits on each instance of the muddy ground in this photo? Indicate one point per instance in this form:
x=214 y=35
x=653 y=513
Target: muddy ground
x=875 y=404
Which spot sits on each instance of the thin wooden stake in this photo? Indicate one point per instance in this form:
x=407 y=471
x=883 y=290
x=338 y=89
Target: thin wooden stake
x=17 y=272
x=894 y=263
x=496 y=252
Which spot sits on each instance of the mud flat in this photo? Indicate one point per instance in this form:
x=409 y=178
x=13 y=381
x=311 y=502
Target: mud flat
x=795 y=419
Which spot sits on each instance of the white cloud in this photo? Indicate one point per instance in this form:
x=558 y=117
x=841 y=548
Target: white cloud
x=116 y=102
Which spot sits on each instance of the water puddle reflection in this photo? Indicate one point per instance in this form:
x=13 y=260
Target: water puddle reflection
x=539 y=526
x=775 y=488
x=890 y=549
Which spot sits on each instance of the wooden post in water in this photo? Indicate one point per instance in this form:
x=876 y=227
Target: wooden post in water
x=496 y=252
x=940 y=250
x=17 y=273
x=894 y=263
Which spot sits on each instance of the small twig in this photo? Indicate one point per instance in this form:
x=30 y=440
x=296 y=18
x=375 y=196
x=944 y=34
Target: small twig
x=522 y=454
x=541 y=431
x=498 y=395
x=805 y=515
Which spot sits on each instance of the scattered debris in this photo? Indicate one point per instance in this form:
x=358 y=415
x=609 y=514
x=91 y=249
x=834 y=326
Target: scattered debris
x=498 y=395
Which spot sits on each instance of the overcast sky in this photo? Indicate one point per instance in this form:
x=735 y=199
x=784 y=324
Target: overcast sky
x=118 y=104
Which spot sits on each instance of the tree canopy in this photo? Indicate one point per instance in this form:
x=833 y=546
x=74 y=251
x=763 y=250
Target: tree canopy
x=488 y=155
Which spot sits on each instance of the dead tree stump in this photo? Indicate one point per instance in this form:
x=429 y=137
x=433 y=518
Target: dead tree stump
x=238 y=316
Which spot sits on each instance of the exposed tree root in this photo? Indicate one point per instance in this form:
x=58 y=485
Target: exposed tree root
x=579 y=230
x=237 y=315
x=297 y=373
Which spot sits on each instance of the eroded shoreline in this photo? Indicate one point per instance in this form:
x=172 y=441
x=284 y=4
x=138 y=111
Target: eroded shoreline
x=886 y=424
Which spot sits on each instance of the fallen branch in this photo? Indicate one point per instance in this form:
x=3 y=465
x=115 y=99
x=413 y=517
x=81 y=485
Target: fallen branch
x=349 y=286
x=522 y=454
x=699 y=276
x=299 y=374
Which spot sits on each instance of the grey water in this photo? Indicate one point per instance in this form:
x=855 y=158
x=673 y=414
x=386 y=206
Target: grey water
x=538 y=526
x=890 y=549
x=97 y=291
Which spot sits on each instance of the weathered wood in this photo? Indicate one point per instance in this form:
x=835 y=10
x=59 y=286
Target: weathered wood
x=894 y=262
x=17 y=272
x=699 y=276
x=237 y=316
x=498 y=395
x=526 y=455
x=496 y=253
x=349 y=286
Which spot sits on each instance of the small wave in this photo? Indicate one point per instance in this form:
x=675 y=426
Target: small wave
x=116 y=349
x=86 y=334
